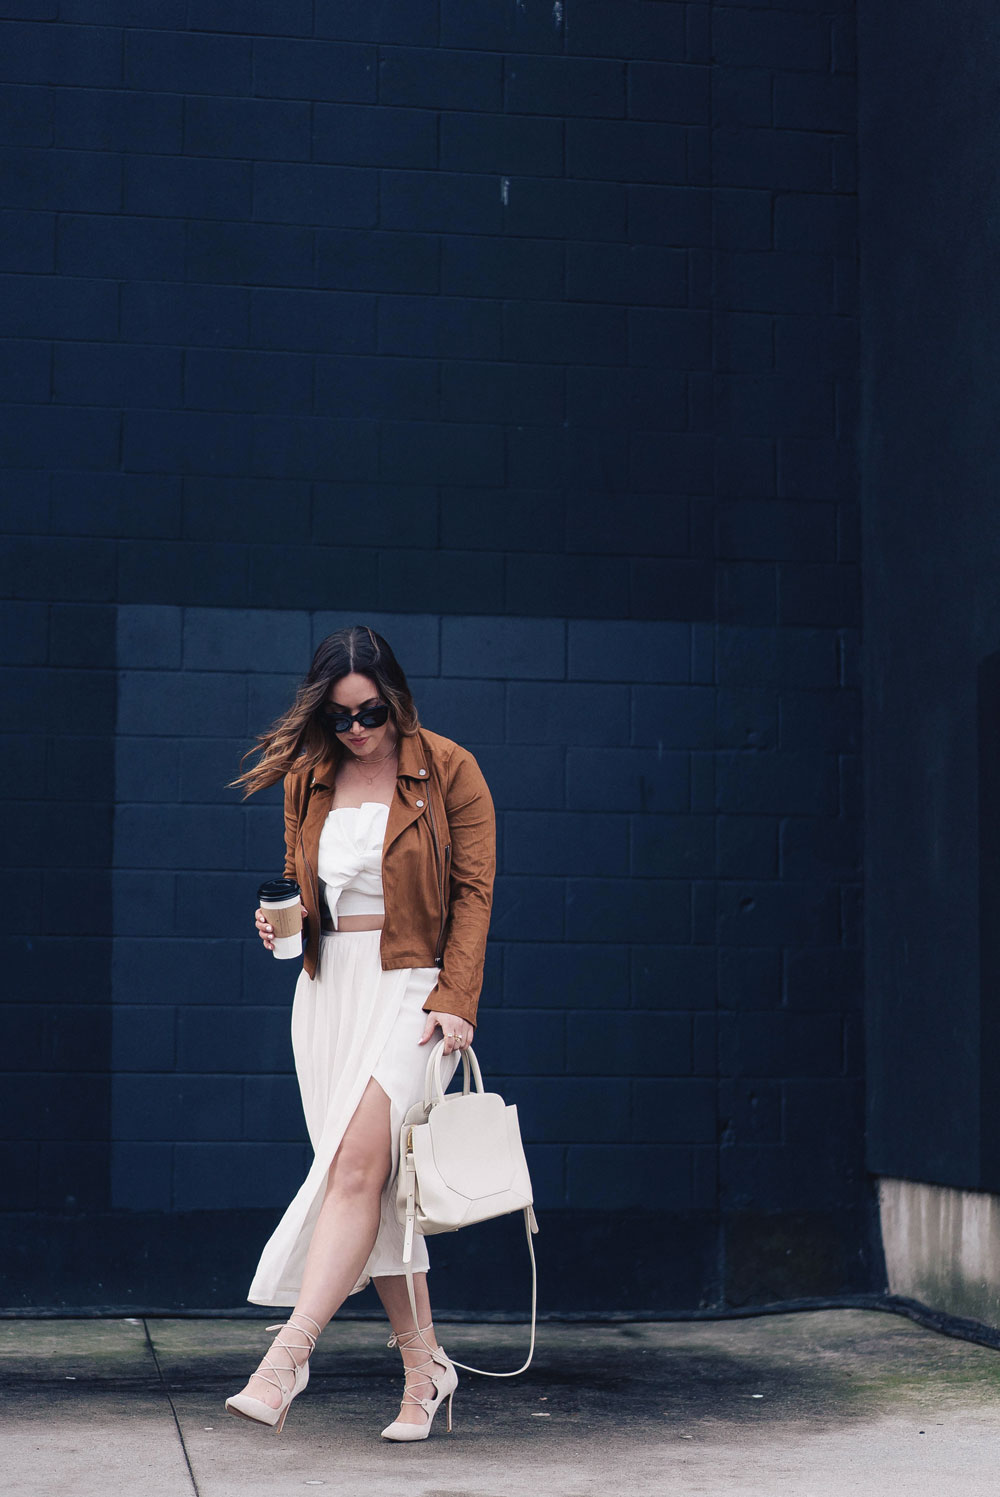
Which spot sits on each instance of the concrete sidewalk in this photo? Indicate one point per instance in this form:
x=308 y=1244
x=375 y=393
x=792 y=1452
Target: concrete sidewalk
x=818 y=1404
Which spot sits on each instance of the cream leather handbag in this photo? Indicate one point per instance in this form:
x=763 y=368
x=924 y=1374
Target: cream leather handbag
x=461 y=1161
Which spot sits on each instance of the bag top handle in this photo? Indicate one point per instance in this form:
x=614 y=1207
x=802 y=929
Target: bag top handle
x=433 y=1081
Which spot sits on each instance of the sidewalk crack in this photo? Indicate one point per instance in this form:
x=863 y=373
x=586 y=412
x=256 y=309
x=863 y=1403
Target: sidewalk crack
x=166 y=1394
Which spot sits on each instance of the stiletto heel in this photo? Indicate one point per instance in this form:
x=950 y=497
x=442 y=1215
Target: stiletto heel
x=255 y=1408
x=445 y=1382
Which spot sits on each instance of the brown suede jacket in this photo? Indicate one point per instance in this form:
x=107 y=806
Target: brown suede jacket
x=438 y=865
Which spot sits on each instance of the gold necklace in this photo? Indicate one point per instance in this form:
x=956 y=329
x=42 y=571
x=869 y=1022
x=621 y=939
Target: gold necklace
x=370 y=779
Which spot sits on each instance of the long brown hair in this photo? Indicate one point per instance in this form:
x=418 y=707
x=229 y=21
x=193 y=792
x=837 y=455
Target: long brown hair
x=300 y=738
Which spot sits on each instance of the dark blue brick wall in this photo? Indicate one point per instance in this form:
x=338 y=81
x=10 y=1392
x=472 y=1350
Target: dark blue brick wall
x=932 y=624
x=528 y=331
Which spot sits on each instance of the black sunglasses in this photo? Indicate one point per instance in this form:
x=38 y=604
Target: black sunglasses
x=371 y=717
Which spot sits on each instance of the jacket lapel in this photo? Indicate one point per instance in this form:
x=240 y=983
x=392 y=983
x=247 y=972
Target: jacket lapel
x=412 y=777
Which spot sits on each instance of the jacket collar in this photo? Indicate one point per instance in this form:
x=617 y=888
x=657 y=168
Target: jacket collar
x=412 y=762
x=412 y=756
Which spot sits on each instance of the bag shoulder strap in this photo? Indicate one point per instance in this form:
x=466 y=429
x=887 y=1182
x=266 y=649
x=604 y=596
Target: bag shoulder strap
x=529 y=1225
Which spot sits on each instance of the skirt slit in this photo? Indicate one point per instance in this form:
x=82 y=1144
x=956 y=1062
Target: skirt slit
x=351 y=1023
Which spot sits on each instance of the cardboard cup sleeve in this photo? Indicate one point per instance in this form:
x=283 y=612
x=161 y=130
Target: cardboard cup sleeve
x=286 y=920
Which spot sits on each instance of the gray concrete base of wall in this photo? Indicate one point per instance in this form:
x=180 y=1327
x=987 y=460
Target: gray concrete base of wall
x=942 y=1247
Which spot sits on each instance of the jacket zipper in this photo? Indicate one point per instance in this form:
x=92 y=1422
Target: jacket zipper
x=302 y=845
x=438 y=955
x=444 y=885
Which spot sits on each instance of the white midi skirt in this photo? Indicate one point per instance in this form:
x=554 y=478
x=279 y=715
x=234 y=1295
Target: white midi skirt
x=351 y=1022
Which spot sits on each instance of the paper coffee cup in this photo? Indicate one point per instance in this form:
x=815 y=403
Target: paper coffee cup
x=281 y=901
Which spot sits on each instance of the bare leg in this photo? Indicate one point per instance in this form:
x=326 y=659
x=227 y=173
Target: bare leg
x=392 y=1292
x=345 y=1229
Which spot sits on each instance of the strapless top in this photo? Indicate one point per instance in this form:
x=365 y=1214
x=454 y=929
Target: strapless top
x=349 y=861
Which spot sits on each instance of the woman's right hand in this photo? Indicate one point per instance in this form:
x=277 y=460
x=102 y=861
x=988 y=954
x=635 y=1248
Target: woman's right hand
x=266 y=932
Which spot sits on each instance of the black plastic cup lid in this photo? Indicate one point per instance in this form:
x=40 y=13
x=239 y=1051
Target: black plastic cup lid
x=278 y=888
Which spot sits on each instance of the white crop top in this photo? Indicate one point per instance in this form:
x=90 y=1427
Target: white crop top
x=349 y=861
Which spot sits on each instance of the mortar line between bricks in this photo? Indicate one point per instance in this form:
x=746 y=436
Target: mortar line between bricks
x=173 y=1411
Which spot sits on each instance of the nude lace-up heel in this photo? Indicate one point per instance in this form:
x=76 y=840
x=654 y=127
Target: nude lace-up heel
x=436 y=1368
x=256 y=1408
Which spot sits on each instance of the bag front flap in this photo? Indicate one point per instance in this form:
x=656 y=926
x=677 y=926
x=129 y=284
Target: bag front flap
x=467 y=1142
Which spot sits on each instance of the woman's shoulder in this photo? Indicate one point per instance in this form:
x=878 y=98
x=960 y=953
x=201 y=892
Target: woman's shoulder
x=455 y=766
x=296 y=781
x=445 y=751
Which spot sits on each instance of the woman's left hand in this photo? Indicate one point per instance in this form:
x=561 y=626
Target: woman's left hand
x=457 y=1032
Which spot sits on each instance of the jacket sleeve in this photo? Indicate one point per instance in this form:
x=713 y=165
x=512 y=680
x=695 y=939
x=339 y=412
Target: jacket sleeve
x=292 y=794
x=472 y=829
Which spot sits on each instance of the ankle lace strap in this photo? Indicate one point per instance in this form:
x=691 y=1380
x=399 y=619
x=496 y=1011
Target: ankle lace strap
x=405 y=1339
x=425 y=1369
x=309 y=1344
x=290 y=1324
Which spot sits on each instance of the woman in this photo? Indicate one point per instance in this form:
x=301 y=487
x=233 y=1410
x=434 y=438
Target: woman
x=390 y=833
